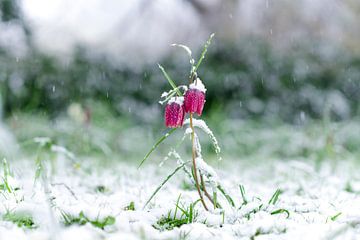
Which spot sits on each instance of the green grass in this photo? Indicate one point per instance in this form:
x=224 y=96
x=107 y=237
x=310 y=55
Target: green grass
x=101 y=189
x=281 y=210
x=82 y=219
x=168 y=223
x=243 y=195
x=275 y=197
x=130 y=207
x=333 y=218
x=182 y=215
x=20 y=219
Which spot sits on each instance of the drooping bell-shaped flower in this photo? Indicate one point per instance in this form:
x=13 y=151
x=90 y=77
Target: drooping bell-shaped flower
x=174 y=112
x=195 y=97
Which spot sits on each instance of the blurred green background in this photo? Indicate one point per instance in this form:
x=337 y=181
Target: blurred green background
x=283 y=77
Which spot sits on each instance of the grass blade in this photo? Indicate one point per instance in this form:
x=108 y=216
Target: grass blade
x=275 y=197
x=168 y=97
x=281 y=211
x=191 y=213
x=333 y=218
x=185 y=213
x=199 y=123
x=164 y=182
x=227 y=196
x=242 y=191
x=177 y=205
x=207 y=44
x=186 y=48
x=156 y=145
x=172 y=83
x=215 y=199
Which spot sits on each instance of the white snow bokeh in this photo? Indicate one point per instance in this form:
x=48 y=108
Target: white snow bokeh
x=13 y=39
x=139 y=32
x=8 y=144
x=129 y=33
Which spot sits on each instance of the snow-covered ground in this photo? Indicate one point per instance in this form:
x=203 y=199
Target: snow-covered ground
x=90 y=202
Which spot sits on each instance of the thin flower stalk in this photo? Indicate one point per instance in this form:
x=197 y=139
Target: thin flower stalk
x=194 y=162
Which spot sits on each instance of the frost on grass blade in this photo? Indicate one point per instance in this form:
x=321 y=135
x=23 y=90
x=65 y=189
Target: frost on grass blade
x=202 y=125
x=208 y=171
x=188 y=51
x=180 y=162
x=164 y=182
x=168 y=95
x=279 y=211
x=242 y=191
x=156 y=145
x=63 y=150
x=275 y=197
x=6 y=176
x=208 y=42
x=203 y=167
x=43 y=141
x=227 y=196
x=197 y=145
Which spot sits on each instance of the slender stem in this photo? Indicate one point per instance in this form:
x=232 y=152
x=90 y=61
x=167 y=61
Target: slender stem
x=206 y=192
x=194 y=162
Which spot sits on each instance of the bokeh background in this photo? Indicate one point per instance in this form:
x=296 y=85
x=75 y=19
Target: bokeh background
x=283 y=77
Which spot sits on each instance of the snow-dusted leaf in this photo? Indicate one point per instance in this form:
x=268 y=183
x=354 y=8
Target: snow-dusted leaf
x=62 y=150
x=188 y=51
x=203 y=126
x=186 y=48
x=208 y=42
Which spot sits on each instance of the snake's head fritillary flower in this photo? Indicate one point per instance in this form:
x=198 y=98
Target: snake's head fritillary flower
x=174 y=112
x=195 y=97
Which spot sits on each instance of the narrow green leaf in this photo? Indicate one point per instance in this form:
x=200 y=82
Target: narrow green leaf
x=172 y=83
x=191 y=213
x=223 y=217
x=185 y=213
x=177 y=205
x=186 y=48
x=173 y=92
x=156 y=145
x=8 y=188
x=275 y=197
x=227 y=196
x=164 y=182
x=207 y=44
x=242 y=190
x=215 y=199
x=333 y=218
x=109 y=220
x=281 y=211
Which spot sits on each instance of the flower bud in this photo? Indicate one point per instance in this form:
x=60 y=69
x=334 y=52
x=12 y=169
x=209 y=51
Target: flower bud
x=195 y=97
x=174 y=112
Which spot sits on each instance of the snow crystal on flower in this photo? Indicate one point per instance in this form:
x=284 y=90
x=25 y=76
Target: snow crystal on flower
x=178 y=100
x=197 y=84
